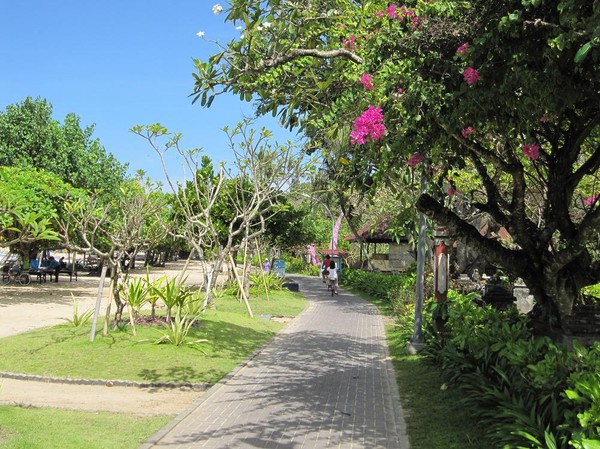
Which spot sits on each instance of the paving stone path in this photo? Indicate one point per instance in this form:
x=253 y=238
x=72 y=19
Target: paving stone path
x=325 y=382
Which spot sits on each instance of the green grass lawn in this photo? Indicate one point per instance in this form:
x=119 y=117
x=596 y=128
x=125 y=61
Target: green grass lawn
x=65 y=350
x=35 y=428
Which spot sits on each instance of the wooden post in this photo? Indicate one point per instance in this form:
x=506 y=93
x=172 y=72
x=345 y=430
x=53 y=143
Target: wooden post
x=107 y=318
x=237 y=278
x=98 y=302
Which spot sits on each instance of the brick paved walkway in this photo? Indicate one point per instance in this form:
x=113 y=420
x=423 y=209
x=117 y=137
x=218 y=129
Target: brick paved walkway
x=325 y=382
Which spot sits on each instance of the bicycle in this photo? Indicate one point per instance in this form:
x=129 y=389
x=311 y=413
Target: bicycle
x=16 y=276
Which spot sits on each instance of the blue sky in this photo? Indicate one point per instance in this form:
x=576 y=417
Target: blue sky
x=117 y=64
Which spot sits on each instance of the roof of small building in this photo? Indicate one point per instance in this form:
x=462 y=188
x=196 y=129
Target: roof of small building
x=374 y=234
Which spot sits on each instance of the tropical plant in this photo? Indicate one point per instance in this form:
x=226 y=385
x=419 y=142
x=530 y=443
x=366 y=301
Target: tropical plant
x=222 y=208
x=135 y=292
x=526 y=391
x=172 y=292
x=271 y=281
x=193 y=304
x=177 y=331
x=78 y=319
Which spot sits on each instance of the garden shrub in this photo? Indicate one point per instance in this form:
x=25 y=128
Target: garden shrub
x=295 y=265
x=271 y=280
x=526 y=391
x=378 y=285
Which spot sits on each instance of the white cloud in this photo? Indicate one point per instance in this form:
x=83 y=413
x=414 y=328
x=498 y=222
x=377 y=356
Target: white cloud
x=200 y=34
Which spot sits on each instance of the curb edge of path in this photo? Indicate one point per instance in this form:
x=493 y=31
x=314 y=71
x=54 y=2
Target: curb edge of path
x=155 y=438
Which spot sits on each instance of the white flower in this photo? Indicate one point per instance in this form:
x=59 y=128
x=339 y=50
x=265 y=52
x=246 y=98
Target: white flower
x=200 y=34
x=217 y=9
x=266 y=25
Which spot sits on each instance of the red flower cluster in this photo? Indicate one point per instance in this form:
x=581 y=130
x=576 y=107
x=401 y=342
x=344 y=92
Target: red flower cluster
x=415 y=160
x=591 y=200
x=470 y=75
x=467 y=131
x=393 y=12
x=365 y=80
x=531 y=150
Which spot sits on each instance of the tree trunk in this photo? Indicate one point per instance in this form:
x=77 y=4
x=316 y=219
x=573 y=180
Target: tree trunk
x=115 y=275
x=554 y=286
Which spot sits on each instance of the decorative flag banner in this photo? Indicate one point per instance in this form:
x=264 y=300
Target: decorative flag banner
x=313 y=255
x=336 y=231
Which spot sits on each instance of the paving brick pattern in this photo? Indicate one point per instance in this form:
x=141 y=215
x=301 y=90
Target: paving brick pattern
x=325 y=382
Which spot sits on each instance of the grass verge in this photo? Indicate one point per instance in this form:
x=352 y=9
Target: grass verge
x=36 y=428
x=433 y=414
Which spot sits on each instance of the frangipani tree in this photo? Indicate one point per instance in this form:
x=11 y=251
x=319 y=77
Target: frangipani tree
x=507 y=92
x=249 y=191
x=116 y=230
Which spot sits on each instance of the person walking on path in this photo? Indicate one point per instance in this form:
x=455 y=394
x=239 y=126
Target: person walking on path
x=325 y=381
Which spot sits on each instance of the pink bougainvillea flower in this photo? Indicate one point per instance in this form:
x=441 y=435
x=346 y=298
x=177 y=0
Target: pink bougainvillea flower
x=380 y=14
x=349 y=43
x=391 y=11
x=591 y=200
x=544 y=118
x=452 y=191
x=468 y=130
x=463 y=49
x=531 y=150
x=365 y=80
x=400 y=90
x=414 y=160
x=369 y=124
x=470 y=75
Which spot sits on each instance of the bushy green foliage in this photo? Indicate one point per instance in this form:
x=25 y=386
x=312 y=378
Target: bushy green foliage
x=258 y=281
x=526 y=391
x=135 y=291
x=380 y=285
x=592 y=292
x=177 y=330
x=172 y=292
x=295 y=265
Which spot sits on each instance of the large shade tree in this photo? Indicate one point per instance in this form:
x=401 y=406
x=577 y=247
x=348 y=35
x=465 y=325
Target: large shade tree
x=31 y=138
x=503 y=94
x=30 y=204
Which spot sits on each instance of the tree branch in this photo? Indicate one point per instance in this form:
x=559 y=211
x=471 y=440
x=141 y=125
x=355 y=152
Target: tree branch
x=301 y=52
x=491 y=250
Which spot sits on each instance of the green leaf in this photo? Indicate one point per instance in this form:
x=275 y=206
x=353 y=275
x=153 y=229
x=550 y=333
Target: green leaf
x=591 y=444
x=582 y=52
